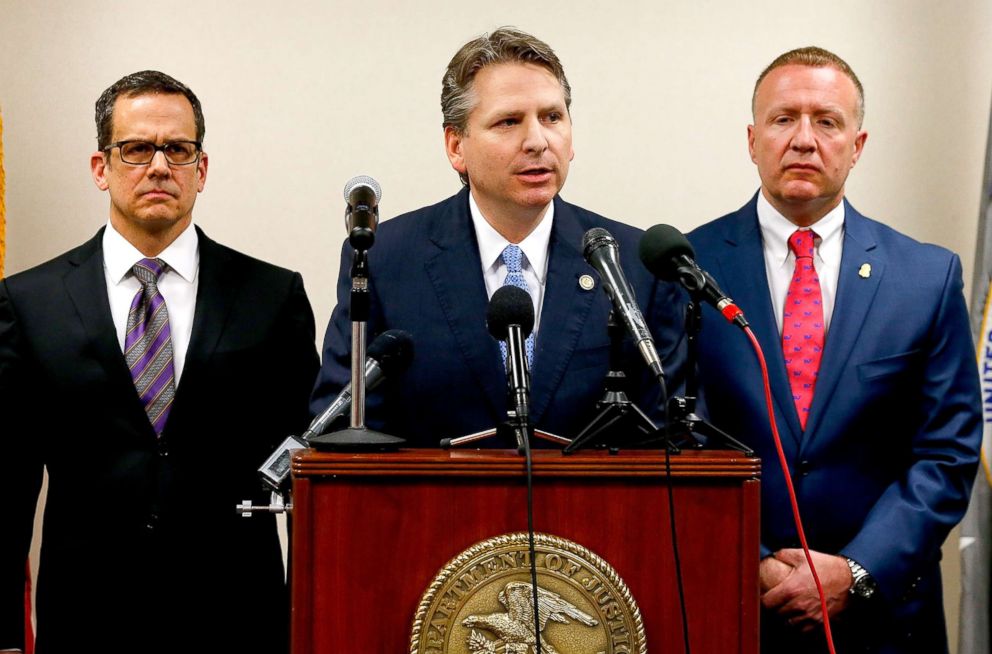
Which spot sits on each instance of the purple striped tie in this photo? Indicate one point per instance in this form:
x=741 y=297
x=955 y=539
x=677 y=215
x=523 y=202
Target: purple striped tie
x=148 y=345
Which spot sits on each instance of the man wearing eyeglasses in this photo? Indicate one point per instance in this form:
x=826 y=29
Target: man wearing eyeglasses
x=147 y=347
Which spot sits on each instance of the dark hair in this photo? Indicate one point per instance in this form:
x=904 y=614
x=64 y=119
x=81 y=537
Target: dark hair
x=145 y=82
x=814 y=57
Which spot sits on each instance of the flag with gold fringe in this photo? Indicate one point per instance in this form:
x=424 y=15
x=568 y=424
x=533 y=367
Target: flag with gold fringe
x=975 y=627
x=29 y=640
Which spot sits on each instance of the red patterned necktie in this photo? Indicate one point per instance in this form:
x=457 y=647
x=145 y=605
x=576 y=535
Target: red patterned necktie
x=802 y=324
x=148 y=345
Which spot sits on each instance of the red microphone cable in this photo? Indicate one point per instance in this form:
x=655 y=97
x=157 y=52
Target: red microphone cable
x=788 y=483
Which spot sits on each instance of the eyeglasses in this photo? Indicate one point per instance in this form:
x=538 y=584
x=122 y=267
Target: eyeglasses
x=140 y=153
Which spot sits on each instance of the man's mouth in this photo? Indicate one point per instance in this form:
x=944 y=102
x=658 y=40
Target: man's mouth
x=157 y=193
x=535 y=173
x=803 y=167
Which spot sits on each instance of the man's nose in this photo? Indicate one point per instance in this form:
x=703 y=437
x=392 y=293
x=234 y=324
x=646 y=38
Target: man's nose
x=535 y=139
x=803 y=138
x=159 y=165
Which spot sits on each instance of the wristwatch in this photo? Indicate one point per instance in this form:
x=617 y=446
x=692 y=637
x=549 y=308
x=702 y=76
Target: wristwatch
x=863 y=586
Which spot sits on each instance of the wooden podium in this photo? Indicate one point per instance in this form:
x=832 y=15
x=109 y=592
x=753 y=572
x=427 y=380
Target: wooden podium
x=371 y=531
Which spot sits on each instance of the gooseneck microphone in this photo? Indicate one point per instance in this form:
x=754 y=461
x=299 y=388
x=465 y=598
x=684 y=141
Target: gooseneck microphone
x=601 y=251
x=361 y=216
x=668 y=255
x=510 y=318
x=388 y=355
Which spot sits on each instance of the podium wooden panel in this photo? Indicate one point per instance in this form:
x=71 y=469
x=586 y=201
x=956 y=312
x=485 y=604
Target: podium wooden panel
x=370 y=532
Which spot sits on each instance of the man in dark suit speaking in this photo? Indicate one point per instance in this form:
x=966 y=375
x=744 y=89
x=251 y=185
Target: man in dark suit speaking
x=148 y=370
x=508 y=134
x=872 y=370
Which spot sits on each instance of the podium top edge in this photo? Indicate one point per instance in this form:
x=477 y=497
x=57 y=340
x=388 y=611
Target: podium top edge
x=489 y=462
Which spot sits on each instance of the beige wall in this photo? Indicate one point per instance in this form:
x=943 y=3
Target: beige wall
x=300 y=96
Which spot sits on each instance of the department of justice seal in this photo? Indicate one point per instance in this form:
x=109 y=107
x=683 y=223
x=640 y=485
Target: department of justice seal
x=482 y=602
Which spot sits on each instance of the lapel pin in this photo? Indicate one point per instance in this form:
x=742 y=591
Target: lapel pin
x=865 y=271
x=587 y=283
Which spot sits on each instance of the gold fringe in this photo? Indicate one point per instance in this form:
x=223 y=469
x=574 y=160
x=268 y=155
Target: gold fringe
x=982 y=334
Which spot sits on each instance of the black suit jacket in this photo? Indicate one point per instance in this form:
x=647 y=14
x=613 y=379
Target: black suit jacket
x=142 y=548
x=426 y=278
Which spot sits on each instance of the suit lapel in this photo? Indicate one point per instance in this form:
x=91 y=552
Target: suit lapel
x=455 y=271
x=564 y=311
x=855 y=293
x=217 y=288
x=86 y=286
x=742 y=273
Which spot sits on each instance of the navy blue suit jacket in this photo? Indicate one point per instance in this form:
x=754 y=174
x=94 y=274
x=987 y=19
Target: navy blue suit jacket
x=426 y=278
x=884 y=468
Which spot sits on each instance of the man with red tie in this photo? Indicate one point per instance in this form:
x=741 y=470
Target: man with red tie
x=872 y=371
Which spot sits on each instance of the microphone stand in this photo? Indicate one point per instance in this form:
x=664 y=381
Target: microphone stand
x=518 y=417
x=682 y=410
x=505 y=431
x=357 y=436
x=518 y=424
x=619 y=421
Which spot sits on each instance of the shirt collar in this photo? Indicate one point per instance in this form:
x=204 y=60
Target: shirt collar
x=119 y=256
x=492 y=243
x=776 y=230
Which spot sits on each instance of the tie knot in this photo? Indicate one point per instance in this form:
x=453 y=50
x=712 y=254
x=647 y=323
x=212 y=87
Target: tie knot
x=148 y=271
x=802 y=243
x=512 y=257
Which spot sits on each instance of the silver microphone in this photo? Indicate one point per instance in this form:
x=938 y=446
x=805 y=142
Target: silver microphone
x=601 y=251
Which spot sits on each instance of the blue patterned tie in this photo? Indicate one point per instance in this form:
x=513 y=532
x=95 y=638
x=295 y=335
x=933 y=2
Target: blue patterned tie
x=512 y=257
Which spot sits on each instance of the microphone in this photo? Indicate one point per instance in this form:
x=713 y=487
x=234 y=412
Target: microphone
x=510 y=318
x=601 y=251
x=389 y=354
x=361 y=216
x=668 y=255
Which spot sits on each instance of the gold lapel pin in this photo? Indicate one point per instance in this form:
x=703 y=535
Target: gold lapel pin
x=865 y=271
x=587 y=283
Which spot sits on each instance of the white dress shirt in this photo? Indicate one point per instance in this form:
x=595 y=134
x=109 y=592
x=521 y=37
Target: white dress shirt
x=780 y=262
x=177 y=285
x=534 y=264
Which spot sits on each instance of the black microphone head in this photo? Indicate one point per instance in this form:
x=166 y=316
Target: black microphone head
x=361 y=216
x=510 y=306
x=662 y=248
x=594 y=239
x=363 y=184
x=393 y=349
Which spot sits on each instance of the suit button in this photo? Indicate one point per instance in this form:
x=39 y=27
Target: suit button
x=804 y=467
x=151 y=522
x=911 y=591
x=163 y=448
